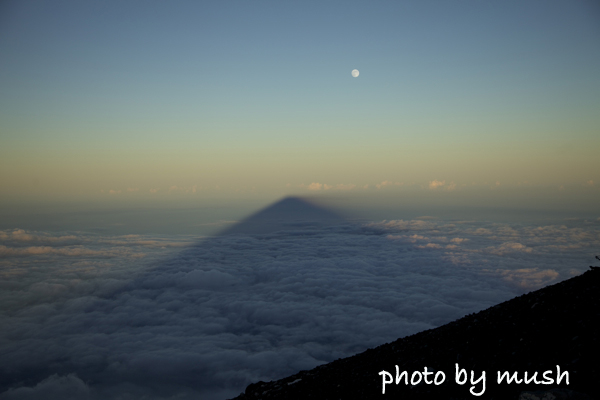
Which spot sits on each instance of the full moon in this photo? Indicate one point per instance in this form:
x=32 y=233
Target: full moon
x=355 y=73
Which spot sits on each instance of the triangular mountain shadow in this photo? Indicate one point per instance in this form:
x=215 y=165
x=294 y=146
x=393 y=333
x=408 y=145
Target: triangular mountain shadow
x=210 y=265
x=286 y=214
x=554 y=328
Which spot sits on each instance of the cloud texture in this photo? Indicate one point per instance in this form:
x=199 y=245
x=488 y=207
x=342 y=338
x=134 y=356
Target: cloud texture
x=94 y=317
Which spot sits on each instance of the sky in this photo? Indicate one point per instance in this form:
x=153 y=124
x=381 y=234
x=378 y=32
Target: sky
x=146 y=102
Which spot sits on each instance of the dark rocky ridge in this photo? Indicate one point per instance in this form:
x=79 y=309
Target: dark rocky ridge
x=556 y=325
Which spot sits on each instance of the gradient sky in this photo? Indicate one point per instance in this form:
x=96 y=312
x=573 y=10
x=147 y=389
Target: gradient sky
x=143 y=99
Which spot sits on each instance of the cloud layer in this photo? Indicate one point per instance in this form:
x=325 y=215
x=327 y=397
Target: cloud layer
x=127 y=317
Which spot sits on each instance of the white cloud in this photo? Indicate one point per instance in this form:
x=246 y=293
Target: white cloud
x=319 y=186
x=386 y=184
x=434 y=184
x=316 y=186
x=529 y=277
x=20 y=235
x=508 y=247
x=408 y=238
x=147 y=243
x=402 y=225
x=429 y=246
x=204 y=320
x=458 y=240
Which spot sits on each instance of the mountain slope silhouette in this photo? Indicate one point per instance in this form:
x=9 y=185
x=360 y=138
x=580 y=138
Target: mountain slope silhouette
x=286 y=214
x=553 y=327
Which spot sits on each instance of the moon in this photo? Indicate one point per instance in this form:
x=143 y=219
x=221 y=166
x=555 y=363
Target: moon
x=355 y=73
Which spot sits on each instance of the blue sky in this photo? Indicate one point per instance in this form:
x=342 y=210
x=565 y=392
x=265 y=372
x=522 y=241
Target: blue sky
x=244 y=96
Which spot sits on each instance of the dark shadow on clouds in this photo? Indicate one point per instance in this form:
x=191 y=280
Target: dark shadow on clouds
x=291 y=287
x=286 y=214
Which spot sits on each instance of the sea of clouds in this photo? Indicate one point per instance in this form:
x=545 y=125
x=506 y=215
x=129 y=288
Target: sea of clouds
x=90 y=316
